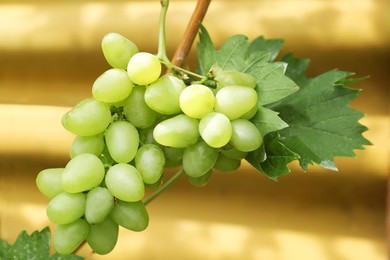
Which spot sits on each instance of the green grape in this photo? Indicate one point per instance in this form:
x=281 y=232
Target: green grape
x=122 y=140
x=48 y=182
x=102 y=237
x=250 y=114
x=234 y=78
x=200 y=181
x=89 y=117
x=137 y=111
x=154 y=185
x=163 y=95
x=150 y=162
x=226 y=164
x=172 y=164
x=245 y=136
x=82 y=173
x=180 y=131
x=93 y=144
x=99 y=204
x=69 y=237
x=125 y=183
x=199 y=159
x=146 y=136
x=66 y=207
x=215 y=129
x=112 y=86
x=131 y=215
x=173 y=156
x=118 y=50
x=197 y=100
x=144 y=68
x=235 y=101
x=233 y=153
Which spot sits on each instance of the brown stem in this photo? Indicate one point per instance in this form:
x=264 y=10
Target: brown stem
x=189 y=35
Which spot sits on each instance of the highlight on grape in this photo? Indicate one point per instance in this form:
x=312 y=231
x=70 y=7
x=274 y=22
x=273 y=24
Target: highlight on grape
x=137 y=123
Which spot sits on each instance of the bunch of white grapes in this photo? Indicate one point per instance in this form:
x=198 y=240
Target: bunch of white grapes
x=137 y=123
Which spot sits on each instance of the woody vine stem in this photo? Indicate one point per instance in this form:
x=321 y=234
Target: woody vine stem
x=178 y=59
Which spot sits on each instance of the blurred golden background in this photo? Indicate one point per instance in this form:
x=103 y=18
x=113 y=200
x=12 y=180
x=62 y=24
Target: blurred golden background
x=50 y=55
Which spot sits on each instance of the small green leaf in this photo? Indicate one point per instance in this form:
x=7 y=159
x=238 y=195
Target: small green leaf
x=268 y=121
x=32 y=247
x=278 y=156
x=206 y=51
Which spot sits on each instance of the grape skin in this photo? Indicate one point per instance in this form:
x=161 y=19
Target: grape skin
x=197 y=100
x=143 y=68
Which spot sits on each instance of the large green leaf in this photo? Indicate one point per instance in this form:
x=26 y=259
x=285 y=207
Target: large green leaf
x=321 y=125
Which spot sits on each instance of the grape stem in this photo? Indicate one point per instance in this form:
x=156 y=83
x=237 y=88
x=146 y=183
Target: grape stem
x=162 y=50
x=164 y=187
x=188 y=39
x=189 y=35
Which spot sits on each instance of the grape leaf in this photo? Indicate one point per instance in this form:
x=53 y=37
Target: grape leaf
x=321 y=125
x=205 y=50
x=268 y=121
x=278 y=156
x=34 y=246
x=273 y=46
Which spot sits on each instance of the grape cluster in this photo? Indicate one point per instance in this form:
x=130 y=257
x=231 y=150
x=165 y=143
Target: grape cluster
x=136 y=124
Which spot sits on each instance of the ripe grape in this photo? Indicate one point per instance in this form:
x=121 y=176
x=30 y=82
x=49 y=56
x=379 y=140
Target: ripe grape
x=99 y=204
x=226 y=164
x=180 y=131
x=150 y=162
x=234 y=78
x=131 y=215
x=112 y=86
x=144 y=68
x=235 y=101
x=201 y=181
x=173 y=156
x=69 y=237
x=125 y=183
x=48 y=182
x=66 y=207
x=118 y=50
x=89 y=117
x=122 y=140
x=93 y=144
x=137 y=111
x=102 y=237
x=82 y=173
x=163 y=95
x=245 y=136
x=250 y=114
x=197 y=100
x=215 y=129
x=233 y=153
x=199 y=159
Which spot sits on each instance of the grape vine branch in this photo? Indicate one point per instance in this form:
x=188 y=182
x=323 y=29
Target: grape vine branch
x=177 y=61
